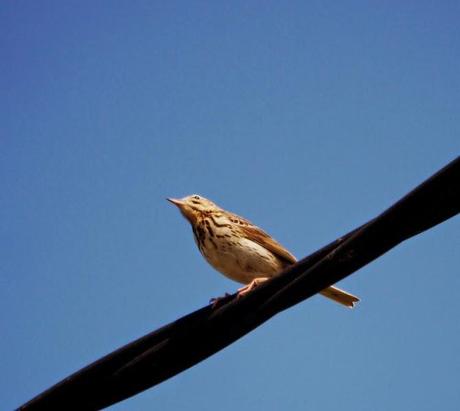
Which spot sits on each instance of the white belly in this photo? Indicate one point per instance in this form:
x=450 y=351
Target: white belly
x=242 y=260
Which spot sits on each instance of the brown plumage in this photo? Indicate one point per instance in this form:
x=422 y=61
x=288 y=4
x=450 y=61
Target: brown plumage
x=239 y=249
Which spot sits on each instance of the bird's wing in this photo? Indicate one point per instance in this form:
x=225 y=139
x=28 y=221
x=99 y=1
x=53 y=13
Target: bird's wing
x=260 y=237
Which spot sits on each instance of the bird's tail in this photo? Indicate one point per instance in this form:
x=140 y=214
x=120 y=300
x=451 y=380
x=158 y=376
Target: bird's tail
x=340 y=296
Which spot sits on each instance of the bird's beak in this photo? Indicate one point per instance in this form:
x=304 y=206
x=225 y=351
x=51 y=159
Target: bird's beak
x=176 y=202
x=185 y=209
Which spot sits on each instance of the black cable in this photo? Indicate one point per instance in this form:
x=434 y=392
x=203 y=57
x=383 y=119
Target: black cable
x=183 y=343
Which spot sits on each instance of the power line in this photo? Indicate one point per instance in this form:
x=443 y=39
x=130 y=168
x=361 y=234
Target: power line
x=183 y=343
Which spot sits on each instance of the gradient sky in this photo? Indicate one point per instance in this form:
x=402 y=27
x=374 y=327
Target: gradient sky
x=308 y=118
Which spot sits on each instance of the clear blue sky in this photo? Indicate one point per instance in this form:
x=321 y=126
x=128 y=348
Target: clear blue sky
x=308 y=118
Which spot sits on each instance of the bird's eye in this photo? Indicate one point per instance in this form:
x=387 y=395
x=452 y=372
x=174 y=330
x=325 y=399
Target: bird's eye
x=196 y=197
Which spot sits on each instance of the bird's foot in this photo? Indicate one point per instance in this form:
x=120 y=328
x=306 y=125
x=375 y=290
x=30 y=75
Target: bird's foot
x=216 y=301
x=248 y=288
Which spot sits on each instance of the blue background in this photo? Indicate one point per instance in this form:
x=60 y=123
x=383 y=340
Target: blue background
x=308 y=118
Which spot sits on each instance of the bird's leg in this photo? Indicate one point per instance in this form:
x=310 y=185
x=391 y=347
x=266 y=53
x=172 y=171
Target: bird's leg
x=253 y=284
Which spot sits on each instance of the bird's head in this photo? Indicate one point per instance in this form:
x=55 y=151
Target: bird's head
x=193 y=206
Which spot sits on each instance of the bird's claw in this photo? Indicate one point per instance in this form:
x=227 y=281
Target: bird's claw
x=215 y=301
x=248 y=288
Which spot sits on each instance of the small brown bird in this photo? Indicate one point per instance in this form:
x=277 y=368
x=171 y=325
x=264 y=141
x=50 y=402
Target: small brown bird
x=239 y=249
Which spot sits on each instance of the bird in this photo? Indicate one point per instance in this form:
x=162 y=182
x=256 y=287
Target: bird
x=239 y=249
